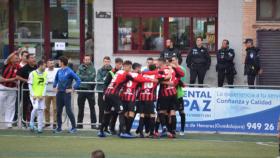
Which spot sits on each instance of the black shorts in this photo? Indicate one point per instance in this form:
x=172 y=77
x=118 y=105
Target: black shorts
x=146 y=107
x=180 y=104
x=113 y=103
x=167 y=103
x=129 y=106
x=137 y=103
x=157 y=105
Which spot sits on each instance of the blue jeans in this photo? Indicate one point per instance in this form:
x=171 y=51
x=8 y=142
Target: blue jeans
x=64 y=99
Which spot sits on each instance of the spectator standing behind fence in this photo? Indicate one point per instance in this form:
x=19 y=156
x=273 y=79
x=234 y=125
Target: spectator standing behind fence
x=8 y=98
x=23 y=58
x=252 y=62
x=23 y=75
x=87 y=73
x=101 y=75
x=37 y=85
x=50 y=98
x=22 y=62
x=63 y=86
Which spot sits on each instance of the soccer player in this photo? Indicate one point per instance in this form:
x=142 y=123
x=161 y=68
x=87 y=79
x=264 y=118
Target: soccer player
x=107 y=81
x=147 y=98
x=37 y=83
x=158 y=63
x=168 y=98
x=113 y=100
x=149 y=62
x=180 y=95
x=128 y=95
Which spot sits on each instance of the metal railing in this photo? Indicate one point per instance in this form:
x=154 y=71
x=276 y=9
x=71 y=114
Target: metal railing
x=20 y=120
x=198 y=85
x=20 y=111
x=86 y=91
x=252 y=86
x=66 y=119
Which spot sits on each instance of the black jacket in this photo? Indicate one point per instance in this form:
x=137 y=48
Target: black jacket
x=168 y=53
x=198 y=58
x=225 y=57
x=252 y=61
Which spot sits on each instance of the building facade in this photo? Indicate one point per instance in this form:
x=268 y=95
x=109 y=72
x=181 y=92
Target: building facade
x=137 y=29
x=261 y=22
x=180 y=20
x=183 y=21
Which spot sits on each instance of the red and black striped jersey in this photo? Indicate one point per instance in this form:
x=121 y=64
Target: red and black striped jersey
x=129 y=92
x=117 y=82
x=148 y=89
x=179 y=74
x=176 y=74
x=168 y=90
x=10 y=71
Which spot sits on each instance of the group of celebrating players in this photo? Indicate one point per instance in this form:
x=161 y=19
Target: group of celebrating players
x=131 y=91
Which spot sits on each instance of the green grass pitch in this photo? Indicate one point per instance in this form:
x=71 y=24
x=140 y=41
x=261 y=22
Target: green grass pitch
x=24 y=144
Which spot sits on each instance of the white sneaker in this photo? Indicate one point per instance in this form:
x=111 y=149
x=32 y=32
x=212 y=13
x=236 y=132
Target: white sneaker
x=146 y=135
x=182 y=133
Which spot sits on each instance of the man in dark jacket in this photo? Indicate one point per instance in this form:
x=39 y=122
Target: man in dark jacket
x=225 y=64
x=252 y=62
x=199 y=61
x=87 y=73
x=170 y=51
x=101 y=76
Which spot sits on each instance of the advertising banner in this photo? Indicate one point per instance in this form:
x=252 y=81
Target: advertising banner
x=232 y=110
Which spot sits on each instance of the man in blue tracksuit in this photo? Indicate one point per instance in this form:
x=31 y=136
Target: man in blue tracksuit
x=63 y=86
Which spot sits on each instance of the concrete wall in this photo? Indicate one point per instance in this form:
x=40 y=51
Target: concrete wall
x=230 y=27
x=103 y=35
x=103 y=32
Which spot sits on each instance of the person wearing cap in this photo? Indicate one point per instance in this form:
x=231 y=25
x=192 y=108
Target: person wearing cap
x=252 y=66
